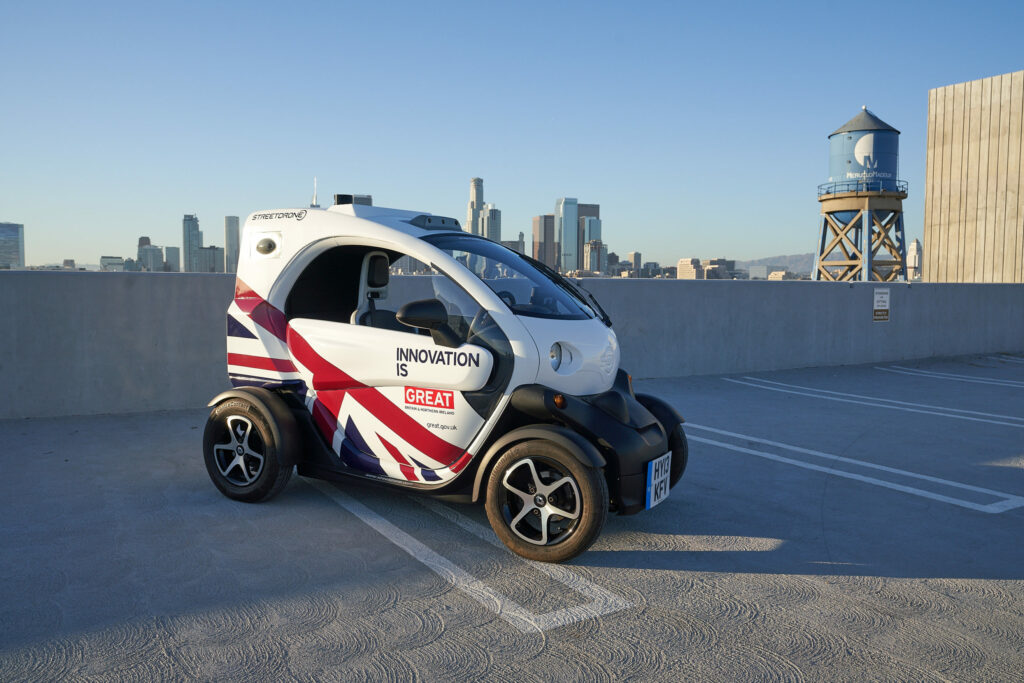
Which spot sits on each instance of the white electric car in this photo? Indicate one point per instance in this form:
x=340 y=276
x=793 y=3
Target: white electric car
x=392 y=346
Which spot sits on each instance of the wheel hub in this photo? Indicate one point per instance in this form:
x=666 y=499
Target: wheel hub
x=542 y=501
x=239 y=460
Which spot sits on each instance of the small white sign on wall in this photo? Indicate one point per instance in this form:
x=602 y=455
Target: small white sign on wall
x=880 y=312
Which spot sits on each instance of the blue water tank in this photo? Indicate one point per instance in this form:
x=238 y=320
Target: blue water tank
x=864 y=156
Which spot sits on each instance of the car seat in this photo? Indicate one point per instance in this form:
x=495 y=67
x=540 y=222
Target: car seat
x=373 y=287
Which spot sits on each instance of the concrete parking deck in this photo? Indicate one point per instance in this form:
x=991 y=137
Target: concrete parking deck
x=834 y=523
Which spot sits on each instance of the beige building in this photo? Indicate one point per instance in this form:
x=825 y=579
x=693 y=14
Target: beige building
x=974 y=199
x=689 y=269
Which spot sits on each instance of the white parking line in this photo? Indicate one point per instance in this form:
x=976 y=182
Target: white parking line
x=878 y=402
x=1011 y=359
x=950 y=376
x=602 y=601
x=891 y=401
x=1009 y=501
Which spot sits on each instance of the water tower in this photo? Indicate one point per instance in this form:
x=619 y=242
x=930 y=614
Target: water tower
x=862 y=205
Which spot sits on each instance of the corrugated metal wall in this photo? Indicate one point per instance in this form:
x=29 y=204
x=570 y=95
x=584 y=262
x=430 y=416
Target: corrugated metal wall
x=974 y=199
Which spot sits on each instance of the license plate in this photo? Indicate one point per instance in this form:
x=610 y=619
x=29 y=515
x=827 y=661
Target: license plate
x=657 y=479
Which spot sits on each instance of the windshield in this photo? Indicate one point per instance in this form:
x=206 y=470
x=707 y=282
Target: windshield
x=524 y=288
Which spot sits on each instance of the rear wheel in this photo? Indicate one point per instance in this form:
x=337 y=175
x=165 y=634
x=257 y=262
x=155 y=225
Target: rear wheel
x=243 y=456
x=544 y=504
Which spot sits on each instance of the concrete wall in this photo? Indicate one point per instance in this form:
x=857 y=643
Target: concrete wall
x=87 y=343
x=974 y=195
x=695 y=327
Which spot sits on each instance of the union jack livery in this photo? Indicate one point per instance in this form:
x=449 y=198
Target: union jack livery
x=391 y=345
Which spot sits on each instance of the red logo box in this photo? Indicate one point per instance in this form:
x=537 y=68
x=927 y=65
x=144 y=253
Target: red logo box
x=431 y=398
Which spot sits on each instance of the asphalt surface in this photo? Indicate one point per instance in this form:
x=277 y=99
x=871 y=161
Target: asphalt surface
x=834 y=524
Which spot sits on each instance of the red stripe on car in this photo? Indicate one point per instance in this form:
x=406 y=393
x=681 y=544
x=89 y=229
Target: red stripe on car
x=261 y=362
x=462 y=462
x=326 y=377
x=407 y=470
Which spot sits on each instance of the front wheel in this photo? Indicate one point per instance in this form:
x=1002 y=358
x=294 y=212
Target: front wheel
x=680 y=454
x=544 y=504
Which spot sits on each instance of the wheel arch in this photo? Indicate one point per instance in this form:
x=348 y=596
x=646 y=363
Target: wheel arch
x=283 y=425
x=670 y=419
x=575 y=444
x=662 y=410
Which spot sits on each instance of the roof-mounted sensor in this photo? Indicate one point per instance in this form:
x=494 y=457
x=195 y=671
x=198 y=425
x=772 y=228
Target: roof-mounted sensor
x=434 y=222
x=361 y=199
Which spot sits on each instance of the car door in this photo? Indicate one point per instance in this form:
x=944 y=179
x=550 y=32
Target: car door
x=389 y=402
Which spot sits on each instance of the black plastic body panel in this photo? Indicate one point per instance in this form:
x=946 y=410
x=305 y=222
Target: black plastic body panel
x=626 y=445
x=672 y=423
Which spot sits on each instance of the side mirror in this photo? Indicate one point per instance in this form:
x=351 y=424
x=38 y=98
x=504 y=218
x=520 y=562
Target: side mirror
x=429 y=314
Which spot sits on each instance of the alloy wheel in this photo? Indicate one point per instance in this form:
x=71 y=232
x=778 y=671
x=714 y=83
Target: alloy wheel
x=240 y=460
x=542 y=501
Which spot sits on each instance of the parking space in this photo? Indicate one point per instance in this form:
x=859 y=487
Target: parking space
x=834 y=523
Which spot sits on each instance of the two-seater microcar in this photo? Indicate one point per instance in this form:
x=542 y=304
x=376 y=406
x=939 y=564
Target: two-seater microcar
x=394 y=347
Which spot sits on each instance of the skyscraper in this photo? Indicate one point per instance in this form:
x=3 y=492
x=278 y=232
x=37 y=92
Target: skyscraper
x=490 y=223
x=567 y=233
x=476 y=206
x=595 y=256
x=143 y=242
x=151 y=258
x=587 y=213
x=209 y=260
x=172 y=259
x=192 y=241
x=231 y=239
x=545 y=248
x=914 y=260
x=12 y=245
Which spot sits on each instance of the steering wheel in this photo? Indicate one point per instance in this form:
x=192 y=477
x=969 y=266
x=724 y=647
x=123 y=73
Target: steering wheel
x=481 y=321
x=507 y=297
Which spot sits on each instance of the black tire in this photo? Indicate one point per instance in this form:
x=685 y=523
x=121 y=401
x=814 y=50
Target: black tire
x=244 y=453
x=680 y=454
x=535 y=532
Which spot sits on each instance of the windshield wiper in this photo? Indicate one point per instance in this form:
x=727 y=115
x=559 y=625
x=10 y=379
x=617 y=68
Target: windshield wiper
x=604 y=316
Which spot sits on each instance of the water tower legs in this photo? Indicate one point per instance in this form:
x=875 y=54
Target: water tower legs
x=861 y=238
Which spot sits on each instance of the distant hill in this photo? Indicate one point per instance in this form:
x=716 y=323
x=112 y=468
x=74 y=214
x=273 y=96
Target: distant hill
x=802 y=264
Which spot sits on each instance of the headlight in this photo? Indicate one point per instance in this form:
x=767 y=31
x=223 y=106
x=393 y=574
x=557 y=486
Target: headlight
x=556 y=356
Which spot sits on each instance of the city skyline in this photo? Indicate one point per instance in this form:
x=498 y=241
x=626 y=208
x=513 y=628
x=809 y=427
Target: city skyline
x=693 y=110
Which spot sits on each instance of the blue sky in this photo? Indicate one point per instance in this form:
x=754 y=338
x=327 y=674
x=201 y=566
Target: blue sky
x=701 y=130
